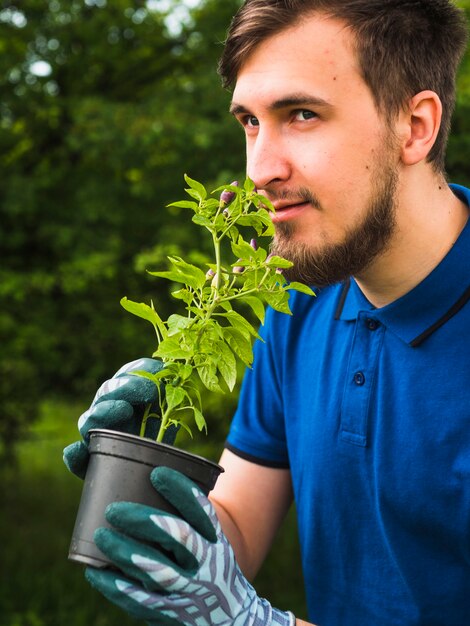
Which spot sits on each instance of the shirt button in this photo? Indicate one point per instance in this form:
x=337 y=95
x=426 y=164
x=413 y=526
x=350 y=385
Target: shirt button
x=372 y=324
x=359 y=378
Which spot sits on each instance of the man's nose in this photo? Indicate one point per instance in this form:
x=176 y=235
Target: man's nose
x=267 y=161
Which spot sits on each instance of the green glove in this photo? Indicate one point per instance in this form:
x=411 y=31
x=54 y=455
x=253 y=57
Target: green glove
x=119 y=404
x=200 y=585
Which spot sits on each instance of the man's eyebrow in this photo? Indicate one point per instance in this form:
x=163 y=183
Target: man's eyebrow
x=300 y=99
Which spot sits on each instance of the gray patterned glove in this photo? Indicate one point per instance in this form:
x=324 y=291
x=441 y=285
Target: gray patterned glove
x=184 y=571
x=119 y=404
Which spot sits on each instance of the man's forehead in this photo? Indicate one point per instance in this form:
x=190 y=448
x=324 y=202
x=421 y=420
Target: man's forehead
x=317 y=45
x=305 y=63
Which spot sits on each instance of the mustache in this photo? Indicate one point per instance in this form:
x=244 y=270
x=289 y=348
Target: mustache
x=303 y=194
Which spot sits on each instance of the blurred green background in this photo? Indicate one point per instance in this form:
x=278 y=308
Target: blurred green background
x=104 y=105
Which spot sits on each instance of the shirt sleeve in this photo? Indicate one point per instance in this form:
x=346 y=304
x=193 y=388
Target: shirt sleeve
x=257 y=432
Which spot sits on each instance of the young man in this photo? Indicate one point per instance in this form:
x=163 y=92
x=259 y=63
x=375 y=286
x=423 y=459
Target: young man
x=358 y=405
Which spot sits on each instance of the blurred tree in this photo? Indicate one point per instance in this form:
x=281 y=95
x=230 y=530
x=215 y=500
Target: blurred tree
x=103 y=110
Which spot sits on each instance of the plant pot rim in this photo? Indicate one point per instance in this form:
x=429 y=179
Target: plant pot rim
x=150 y=444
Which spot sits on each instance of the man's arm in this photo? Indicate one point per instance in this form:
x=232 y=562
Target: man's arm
x=251 y=501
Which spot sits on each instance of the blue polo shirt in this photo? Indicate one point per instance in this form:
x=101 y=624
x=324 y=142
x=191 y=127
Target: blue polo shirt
x=370 y=410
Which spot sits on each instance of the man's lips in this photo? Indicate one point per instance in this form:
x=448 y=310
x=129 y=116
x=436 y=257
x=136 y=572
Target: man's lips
x=287 y=211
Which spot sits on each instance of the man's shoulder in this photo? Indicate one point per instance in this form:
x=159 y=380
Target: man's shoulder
x=461 y=192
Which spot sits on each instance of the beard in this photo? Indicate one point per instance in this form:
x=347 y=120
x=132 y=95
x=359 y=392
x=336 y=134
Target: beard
x=362 y=244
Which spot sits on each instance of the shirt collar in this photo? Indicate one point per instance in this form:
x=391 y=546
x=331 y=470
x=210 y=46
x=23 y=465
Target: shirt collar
x=417 y=314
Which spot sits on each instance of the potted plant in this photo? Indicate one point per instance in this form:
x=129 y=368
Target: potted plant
x=199 y=346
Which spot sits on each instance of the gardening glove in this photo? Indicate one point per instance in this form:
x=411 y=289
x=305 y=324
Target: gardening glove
x=183 y=571
x=119 y=404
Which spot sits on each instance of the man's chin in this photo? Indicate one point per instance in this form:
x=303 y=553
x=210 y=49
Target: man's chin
x=317 y=267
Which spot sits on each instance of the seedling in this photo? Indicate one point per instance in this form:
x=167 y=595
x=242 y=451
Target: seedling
x=204 y=342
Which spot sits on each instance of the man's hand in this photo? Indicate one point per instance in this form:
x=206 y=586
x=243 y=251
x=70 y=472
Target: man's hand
x=177 y=571
x=119 y=404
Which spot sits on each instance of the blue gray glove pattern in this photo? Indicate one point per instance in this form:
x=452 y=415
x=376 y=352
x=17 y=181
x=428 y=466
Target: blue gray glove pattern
x=119 y=404
x=177 y=571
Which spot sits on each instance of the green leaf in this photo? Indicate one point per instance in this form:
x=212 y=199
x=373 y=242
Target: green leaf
x=279 y=262
x=174 y=396
x=185 y=370
x=251 y=219
x=242 y=249
x=177 y=323
x=183 y=425
x=164 y=373
x=301 y=287
x=274 y=282
x=220 y=223
x=153 y=377
x=239 y=322
x=227 y=364
x=174 y=275
x=194 y=194
x=248 y=185
x=233 y=188
x=256 y=305
x=183 y=272
x=208 y=376
x=200 y=220
x=266 y=221
x=233 y=233
x=258 y=221
x=197 y=187
x=199 y=419
x=185 y=204
x=261 y=255
x=189 y=270
x=196 y=392
x=211 y=205
x=183 y=294
x=146 y=312
x=171 y=349
x=278 y=301
x=140 y=309
x=240 y=344
x=226 y=306
x=263 y=201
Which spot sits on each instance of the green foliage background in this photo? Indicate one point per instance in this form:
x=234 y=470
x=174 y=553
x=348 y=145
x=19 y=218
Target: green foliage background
x=104 y=106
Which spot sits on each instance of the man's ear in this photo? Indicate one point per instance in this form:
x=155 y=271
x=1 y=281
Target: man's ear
x=420 y=124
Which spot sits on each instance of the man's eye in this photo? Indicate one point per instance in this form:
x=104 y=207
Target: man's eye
x=250 y=121
x=303 y=115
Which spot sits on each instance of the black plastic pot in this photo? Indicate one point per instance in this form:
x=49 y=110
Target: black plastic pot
x=119 y=470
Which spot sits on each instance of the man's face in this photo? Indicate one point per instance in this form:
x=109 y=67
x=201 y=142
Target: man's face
x=318 y=149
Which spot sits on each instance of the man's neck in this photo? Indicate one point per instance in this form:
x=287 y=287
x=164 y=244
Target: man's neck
x=430 y=219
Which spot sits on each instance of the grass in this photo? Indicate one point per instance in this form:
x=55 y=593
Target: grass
x=39 y=586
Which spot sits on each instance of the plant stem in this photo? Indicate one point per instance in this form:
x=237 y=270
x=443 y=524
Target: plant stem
x=144 y=420
x=218 y=264
x=216 y=286
x=163 y=423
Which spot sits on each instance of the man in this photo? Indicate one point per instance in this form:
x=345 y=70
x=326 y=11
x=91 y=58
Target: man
x=358 y=405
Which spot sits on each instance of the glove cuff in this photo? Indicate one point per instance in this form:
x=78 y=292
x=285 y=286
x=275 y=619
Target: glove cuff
x=267 y=615
x=282 y=618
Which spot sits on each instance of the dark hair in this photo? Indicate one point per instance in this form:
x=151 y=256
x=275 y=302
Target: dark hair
x=403 y=47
